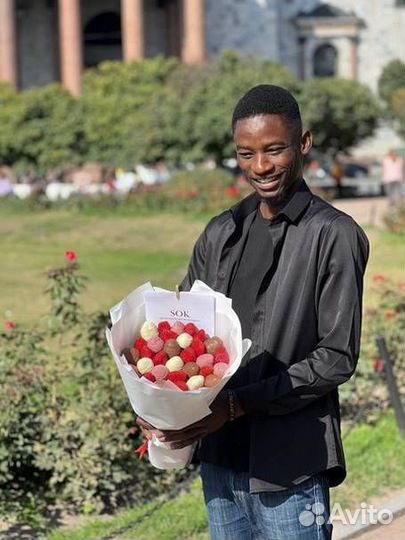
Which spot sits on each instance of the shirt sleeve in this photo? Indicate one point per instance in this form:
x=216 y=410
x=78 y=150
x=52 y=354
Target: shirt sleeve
x=342 y=261
x=196 y=267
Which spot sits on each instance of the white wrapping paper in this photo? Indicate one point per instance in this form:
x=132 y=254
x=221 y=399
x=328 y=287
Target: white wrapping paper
x=170 y=408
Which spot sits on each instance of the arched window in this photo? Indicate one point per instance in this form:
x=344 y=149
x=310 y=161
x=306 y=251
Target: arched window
x=325 y=61
x=102 y=39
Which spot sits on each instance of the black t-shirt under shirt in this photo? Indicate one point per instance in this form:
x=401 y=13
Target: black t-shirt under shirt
x=253 y=271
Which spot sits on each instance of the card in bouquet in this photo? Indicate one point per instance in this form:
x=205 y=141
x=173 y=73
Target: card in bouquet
x=186 y=307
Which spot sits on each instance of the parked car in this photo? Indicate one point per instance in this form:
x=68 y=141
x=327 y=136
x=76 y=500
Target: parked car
x=355 y=170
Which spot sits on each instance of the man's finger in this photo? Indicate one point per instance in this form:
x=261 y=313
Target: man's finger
x=143 y=423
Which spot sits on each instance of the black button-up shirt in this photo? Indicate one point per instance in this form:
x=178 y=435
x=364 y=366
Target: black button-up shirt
x=305 y=335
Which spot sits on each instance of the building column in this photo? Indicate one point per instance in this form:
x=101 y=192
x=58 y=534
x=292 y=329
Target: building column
x=71 y=48
x=193 y=50
x=173 y=28
x=132 y=23
x=8 y=43
x=354 y=60
x=302 y=57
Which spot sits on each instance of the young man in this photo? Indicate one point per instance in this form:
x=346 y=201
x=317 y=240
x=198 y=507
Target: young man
x=293 y=266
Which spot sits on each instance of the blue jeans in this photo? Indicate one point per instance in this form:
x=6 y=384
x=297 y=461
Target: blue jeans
x=299 y=513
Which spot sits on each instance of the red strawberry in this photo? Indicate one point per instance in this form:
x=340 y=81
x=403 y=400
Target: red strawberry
x=149 y=376
x=198 y=346
x=160 y=358
x=188 y=355
x=175 y=376
x=202 y=336
x=221 y=357
x=190 y=328
x=146 y=352
x=164 y=325
x=168 y=334
x=205 y=371
x=139 y=343
x=182 y=385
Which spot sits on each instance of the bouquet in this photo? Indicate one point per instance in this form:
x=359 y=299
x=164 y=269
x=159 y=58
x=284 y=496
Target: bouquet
x=164 y=403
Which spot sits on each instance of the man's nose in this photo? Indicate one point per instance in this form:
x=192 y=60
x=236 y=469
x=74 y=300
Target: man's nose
x=262 y=165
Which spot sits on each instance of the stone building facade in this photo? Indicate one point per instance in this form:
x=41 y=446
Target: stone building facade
x=47 y=40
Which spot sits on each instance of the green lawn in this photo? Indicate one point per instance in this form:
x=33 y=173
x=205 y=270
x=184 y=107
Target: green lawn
x=118 y=252
x=375 y=456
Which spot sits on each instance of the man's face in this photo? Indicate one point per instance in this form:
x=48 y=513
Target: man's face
x=270 y=151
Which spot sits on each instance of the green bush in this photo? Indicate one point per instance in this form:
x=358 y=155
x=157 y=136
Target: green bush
x=395 y=220
x=67 y=428
x=366 y=394
x=121 y=104
x=41 y=129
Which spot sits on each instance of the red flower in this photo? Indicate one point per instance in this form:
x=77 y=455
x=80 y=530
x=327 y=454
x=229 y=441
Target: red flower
x=379 y=278
x=10 y=325
x=142 y=450
x=389 y=314
x=379 y=365
x=71 y=256
x=233 y=191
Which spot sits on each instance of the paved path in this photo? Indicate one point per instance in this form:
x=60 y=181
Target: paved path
x=393 y=531
x=366 y=211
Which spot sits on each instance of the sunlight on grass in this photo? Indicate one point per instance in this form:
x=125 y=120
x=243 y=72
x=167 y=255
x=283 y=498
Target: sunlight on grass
x=375 y=455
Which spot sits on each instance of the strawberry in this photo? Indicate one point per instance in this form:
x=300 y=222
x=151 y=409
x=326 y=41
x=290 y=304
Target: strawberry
x=198 y=346
x=160 y=358
x=202 y=336
x=164 y=325
x=168 y=334
x=190 y=328
x=221 y=357
x=149 y=376
x=182 y=385
x=205 y=371
x=175 y=376
x=146 y=352
x=139 y=343
x=188 y=355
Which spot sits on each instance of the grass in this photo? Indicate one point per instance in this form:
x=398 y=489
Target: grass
x=118 y=252
x=374 y=454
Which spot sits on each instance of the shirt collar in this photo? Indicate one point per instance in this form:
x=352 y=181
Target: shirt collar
x=292 y=210
x=298 y=202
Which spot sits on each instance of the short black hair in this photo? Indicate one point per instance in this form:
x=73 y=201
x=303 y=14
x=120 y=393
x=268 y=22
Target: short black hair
x=267 y=99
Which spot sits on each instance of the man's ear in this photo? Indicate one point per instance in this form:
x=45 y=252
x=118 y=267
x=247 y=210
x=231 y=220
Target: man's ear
x=306 y=142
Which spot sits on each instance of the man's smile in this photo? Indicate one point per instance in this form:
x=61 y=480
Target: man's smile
x=268 y=183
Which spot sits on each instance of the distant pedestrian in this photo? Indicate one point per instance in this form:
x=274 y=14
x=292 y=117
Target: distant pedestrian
x=338 y=173
x=393 y=169
x=6 y=185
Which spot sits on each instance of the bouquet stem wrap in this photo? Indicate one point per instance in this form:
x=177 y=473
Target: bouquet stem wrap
x=171 y=408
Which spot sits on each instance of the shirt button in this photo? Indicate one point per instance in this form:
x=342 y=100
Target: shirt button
x=221 y=275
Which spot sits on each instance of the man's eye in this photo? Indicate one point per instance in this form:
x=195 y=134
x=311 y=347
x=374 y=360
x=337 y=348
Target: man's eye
x=276 y=151
x=244 y=155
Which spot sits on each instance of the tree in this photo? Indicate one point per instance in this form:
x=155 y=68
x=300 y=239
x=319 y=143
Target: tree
x=200 y=111
x=392 y=79
x=391 y=87
x=339 y=112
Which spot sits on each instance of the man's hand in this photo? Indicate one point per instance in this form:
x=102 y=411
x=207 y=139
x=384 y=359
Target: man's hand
x=179 y=438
